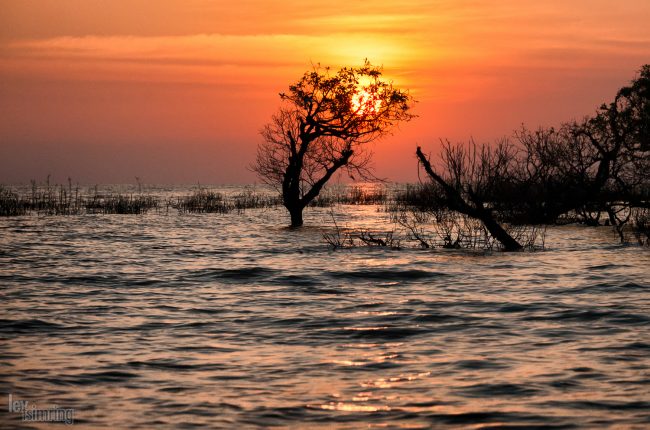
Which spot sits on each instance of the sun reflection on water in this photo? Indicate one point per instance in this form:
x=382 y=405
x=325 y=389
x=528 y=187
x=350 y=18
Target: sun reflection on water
x=256 y=328
x=350 y=407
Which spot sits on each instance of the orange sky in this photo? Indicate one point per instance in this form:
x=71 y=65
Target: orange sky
x=175 y=91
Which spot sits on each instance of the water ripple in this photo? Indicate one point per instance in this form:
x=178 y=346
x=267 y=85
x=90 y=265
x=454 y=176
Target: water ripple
x=230 y=321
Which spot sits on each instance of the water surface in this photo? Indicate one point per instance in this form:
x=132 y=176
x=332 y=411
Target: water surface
x=224 y=321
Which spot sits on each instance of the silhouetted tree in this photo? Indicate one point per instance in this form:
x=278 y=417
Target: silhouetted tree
x=470 y=178
x=555 y=173
x=324 y=123
x=621 y=134
x=599 y=165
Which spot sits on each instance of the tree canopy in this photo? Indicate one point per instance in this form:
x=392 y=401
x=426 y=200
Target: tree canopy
x=323 y=124
x=581 y=170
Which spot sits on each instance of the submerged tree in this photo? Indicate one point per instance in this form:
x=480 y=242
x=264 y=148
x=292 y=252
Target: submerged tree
x=324 y=124
x=472 y=176
x=582 y=169
x=595 y=166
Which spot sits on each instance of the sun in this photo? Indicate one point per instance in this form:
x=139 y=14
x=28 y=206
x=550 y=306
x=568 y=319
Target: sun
x=365 y=102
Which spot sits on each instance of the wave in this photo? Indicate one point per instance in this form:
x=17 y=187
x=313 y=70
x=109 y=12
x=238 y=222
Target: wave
x=386 y=274
x=239 y=274
x=29 y=326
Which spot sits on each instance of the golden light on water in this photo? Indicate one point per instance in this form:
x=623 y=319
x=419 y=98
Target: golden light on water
x=347 y=407
x=219 y=319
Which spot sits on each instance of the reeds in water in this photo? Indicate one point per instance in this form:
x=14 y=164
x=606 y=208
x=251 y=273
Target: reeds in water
x=11 y=203
x=47 y=199
x=55 y=200
x=249 y=199
x=121 y=204
x=202 y=201
x=206 y=201
x=353 y=195
x=642 y=227
x=69 y=200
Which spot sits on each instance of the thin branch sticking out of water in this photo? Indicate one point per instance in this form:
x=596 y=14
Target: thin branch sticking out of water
x=440 y=229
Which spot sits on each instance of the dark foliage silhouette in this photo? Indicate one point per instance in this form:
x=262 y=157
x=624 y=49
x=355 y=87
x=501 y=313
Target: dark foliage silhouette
x=324 y=124
x=578 y=172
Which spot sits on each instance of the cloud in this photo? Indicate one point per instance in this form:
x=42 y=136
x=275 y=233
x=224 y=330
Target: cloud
x=200 y=57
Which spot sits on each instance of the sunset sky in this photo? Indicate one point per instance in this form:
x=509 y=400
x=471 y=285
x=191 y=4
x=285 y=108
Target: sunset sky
x=176 y=91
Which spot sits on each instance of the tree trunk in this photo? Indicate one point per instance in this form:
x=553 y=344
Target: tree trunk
x=296 y=215
x=473 y=209
x=291 y=192
x=497 y=232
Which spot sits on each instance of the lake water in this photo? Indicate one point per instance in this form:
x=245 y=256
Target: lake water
x=233 y=321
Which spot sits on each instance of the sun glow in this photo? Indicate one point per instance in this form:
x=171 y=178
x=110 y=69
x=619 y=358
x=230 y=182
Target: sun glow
x=365 y=102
